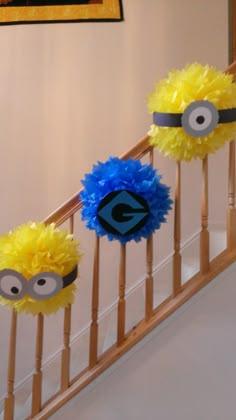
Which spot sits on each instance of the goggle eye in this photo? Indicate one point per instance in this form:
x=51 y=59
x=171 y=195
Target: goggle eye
x=13 y=286
x=200 y=118
x=45 y=285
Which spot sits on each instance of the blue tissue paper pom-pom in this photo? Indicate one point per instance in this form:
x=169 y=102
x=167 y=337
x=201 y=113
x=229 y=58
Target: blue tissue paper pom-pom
x=137 y=181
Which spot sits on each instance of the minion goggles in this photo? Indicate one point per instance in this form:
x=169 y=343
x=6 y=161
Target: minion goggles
x=14 y=286
x=199 y=118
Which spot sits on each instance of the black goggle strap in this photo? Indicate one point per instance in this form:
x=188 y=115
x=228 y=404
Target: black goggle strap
x=168 y=119
x=70 y=277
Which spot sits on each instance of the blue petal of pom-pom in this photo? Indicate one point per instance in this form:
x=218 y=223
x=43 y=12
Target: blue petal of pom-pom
x=130 y=175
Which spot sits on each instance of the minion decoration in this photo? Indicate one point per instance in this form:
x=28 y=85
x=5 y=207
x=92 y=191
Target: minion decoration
x=194 y=112
x=124 y=200
x=38 y=268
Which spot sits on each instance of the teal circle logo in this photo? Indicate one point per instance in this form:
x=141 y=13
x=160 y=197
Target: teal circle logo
x=123 y=212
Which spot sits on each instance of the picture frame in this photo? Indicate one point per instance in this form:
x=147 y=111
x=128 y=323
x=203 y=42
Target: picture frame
x=59 y=11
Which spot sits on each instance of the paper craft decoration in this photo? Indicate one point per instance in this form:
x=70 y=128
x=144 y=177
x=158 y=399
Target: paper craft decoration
x=124 y=200
x=194 y=112
x=38 y=267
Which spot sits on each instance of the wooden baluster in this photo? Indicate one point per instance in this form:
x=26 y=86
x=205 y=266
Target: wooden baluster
x=65 y=359
x=151 y=156
x=121 y=302
x=149 y=264
x=93 y=351
x=37 y=377
x=149 y=278
x=10 y=398
x=177 y=233
x=71 y=224
x=231 y=212
x=204 y=235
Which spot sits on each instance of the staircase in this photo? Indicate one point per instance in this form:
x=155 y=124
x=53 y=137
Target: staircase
x=182 y=370
x=137 y=306
x=135 y=300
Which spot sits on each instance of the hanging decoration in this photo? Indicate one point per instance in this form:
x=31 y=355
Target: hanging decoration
x=124 y=200
x=194 y=112
x=38 y=267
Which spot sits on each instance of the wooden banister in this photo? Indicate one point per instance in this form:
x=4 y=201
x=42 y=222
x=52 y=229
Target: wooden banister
x=138 y=150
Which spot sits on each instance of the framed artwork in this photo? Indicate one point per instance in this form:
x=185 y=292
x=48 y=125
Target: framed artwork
x=52 y=11
x=232 y=30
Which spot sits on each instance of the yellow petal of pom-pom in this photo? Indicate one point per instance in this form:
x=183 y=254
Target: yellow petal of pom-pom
x=33 y=248
x=173 y=94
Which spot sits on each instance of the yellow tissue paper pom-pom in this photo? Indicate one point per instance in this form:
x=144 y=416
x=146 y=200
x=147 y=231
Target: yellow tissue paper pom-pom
x=175 y=93
x=35 y=248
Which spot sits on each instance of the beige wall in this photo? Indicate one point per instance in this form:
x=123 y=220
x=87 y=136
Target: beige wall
x=75 y=93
